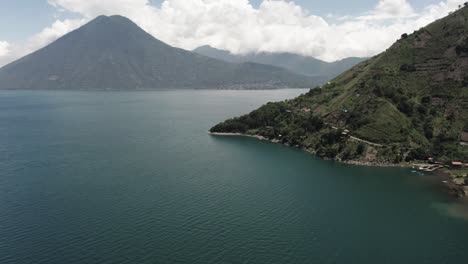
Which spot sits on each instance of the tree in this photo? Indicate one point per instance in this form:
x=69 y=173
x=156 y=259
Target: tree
x=314 y=91
x=328 y=151
x=360 y=148
x=428 y=130
x=405 y=106
x=422 y=109
x=312 y=124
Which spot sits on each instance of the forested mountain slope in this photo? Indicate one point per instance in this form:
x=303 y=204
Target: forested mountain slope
x=410 y=102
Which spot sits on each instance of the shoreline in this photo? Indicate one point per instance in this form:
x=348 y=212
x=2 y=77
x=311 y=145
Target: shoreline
x=446 y=179
x=349 y=162
x=451 y=186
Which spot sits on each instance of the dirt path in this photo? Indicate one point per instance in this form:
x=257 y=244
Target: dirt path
x=365 y=141
x=361 y=140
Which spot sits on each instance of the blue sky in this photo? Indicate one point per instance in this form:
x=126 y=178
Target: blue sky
x=27 y=16
x=31 y=16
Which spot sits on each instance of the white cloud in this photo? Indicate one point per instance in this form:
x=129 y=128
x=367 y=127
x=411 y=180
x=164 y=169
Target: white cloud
x=53 y=32
x=4 y=48
x=41 y=39
x=394 y=8
x=275 y=26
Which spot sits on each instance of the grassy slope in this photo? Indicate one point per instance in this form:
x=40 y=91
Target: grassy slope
x=387 y=100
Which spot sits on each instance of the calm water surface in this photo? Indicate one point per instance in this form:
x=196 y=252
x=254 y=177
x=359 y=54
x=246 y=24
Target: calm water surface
x=134 y=178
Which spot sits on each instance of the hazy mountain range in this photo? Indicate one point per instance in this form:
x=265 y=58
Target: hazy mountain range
x=114 y=53
x=321 y=70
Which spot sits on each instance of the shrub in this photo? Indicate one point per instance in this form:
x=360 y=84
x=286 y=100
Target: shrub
x=331 y=137
x=428 y=130
x=314 y=91
x=461 y=49
x=407 y=68
x=426 y=100
x=422 y=109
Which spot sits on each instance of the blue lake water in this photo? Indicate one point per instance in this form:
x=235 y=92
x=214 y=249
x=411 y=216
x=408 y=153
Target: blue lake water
x=116 y=177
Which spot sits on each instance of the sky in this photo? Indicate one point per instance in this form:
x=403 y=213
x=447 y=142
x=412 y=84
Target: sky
x=326 y=29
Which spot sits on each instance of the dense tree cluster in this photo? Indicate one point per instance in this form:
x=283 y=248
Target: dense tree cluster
x=407 y=68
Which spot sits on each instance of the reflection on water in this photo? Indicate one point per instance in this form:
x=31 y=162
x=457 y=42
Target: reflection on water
x=457 y=209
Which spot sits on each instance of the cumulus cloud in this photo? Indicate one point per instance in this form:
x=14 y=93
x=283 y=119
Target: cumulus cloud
x=275 y=26
x=394 y=8
x=53 y=32
x=39 y=40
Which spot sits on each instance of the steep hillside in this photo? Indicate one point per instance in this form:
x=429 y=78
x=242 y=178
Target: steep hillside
x=410 y=102
x=114 y=53
x=321 y=70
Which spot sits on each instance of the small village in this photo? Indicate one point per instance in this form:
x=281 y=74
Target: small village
x=456 y=172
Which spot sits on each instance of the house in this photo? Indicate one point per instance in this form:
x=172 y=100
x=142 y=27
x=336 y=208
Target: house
x=456 y=164
x=345 y=133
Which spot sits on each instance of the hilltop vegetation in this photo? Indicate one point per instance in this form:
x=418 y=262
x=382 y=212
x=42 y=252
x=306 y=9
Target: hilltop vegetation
x=410 y=102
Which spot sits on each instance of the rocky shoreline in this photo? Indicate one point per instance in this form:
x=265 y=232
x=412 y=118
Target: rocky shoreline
x=350 y=162
x=448 y=181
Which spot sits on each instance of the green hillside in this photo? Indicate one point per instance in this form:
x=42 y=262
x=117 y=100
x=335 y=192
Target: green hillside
x=410 y=102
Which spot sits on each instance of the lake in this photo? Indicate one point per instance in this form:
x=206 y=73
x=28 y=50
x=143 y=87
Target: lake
x=133 y=177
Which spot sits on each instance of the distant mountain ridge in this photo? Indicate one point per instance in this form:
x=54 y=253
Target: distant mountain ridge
x=299 y=64
x=113 y=53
